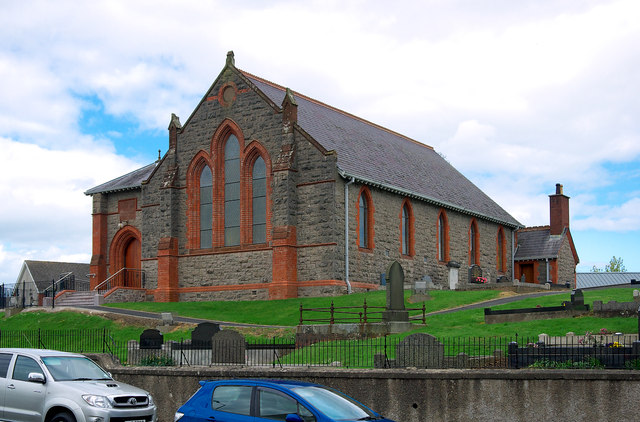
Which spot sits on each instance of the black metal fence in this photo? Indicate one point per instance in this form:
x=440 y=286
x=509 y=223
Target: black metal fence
x=353 y=314
x=417 y=350
x=73 y=340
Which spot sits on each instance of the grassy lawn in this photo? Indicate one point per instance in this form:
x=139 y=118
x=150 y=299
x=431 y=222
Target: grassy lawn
x=467 y=323
x=287 y=312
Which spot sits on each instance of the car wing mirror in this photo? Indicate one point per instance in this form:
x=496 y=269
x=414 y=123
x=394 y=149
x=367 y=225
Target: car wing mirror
x=36 y=377
x=292 y=417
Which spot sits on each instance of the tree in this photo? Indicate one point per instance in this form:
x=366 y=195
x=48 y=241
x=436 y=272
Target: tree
x=616 y=265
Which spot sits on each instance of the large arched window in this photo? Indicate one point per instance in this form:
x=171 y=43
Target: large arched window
x=474 y=243
x=365 y=219
x=259 y=201
x=443 y=237
x=232 y=192
x=206 y=208
x=406 y=229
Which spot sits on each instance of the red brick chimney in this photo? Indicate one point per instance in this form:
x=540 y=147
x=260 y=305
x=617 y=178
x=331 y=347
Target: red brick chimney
x=558 y=211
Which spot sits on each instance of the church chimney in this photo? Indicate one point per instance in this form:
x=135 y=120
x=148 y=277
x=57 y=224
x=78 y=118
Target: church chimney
x=558 y=211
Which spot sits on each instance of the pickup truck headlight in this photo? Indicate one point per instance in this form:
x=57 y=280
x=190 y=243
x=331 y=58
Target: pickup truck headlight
x=97 y=401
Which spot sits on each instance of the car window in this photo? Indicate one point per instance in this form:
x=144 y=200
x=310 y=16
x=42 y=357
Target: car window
x=332 y=404
x=276 y=405
x=25 y=366
x=5 y=360
x=232 y=399
x=68 y=368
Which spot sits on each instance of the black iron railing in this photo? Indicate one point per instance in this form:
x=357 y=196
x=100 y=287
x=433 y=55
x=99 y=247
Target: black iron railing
x=353 y=314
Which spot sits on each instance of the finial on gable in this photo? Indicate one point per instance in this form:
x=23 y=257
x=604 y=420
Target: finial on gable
x=175 y=122
x=231 y=61
x=174 y=127
x=289 y=110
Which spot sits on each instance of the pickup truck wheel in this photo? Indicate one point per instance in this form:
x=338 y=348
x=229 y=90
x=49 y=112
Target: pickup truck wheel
x=63 y=417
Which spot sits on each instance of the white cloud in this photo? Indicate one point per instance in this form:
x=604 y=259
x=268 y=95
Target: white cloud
x=45 y=214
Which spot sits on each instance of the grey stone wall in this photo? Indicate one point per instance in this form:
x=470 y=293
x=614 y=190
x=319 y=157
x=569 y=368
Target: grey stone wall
x=417 y=395
x=566 y=264
x=367 y=266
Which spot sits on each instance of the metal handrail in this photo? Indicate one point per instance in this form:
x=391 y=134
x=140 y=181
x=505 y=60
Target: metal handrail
x=106 y=284
x=57 y=283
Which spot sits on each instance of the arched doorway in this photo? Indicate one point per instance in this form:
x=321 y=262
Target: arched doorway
x=125 y=258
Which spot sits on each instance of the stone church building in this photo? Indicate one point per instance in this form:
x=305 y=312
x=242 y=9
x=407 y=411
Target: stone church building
x=265 y=193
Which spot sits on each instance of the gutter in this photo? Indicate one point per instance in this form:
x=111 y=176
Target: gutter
x=383 y=186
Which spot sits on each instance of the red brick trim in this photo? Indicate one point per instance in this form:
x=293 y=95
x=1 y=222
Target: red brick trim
x=411 y=252
x=476 y=247
x=119 y=244
x=253 y=151
x=299 y=185
x=366 y=194
x=227 y=128
x=439 y=242
x=199 y=161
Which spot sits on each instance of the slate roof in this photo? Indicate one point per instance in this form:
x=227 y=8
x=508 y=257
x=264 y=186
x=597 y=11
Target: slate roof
x=380 y=157
x=537 y=243
x=590 y=280
x=45 y=271
x=129 y=181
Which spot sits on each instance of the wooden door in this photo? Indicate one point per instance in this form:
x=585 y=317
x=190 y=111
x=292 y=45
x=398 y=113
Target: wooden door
x=527 y=271
x=132 y=263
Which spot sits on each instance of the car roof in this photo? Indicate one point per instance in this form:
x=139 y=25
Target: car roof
x=39 y=352
x=264 y=382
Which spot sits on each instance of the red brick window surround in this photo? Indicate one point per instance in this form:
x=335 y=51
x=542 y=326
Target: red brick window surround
x=259 y=202
x=229 y=194
x=206 y=207
x=501 y=251
x=364 y=218
x=200 y=202
x=474 y=243
x=443 y=236
x=232 y=189
x=407 y=247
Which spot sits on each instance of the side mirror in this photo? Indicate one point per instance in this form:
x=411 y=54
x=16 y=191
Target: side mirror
x=36 y=377
x=292 y=417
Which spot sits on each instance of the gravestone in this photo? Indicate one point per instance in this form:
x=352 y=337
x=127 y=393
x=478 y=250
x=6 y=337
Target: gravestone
x=228 y=346
x=151 y=339
x=453 y=267
x=577 y=297
x=202 y=334
x=474 y=272
x=395 y=295
x=421 y=351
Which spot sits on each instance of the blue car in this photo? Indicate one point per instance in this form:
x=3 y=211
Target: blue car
x=257 y=400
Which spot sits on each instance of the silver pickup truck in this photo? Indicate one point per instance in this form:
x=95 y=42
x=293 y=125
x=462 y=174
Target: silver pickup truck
x=51 y=386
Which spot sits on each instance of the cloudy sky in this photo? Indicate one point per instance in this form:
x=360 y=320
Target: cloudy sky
x=518 y=95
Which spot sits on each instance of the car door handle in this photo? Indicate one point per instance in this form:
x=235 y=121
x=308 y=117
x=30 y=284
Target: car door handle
x=11 y=387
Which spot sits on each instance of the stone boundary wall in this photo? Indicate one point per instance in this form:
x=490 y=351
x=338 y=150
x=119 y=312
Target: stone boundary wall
x=411 y=395
x=617 y=308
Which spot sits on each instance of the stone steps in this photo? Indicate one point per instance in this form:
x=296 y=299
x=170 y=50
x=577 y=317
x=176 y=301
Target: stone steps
x=77 y=299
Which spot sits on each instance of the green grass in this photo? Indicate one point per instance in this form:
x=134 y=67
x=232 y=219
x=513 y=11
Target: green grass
x=287 y=312
x=467 y=323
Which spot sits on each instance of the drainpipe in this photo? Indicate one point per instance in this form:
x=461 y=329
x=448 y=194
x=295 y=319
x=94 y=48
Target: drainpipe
x=547 y=265
x=513 y=256
x=346 y=234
